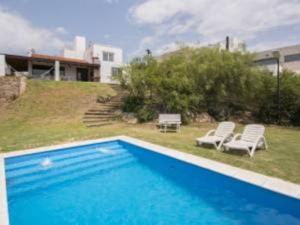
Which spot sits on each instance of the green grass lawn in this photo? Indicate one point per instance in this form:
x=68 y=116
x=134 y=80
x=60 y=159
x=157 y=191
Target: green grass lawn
x=49 y=113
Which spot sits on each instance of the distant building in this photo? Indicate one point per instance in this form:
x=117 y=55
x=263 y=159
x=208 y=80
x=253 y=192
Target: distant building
x=289 y=59
x=231 y=44
x=81 y=63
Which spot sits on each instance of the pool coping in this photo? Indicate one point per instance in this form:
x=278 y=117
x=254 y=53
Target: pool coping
x=270 y=183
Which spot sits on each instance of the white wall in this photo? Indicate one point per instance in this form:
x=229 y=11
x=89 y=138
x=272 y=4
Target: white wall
x=106 y=66
x=2 y=65
x=88 y=55
x=78 y=50
x=273 y=68
x=293 y=66
x=80 y=44
x=73 y=54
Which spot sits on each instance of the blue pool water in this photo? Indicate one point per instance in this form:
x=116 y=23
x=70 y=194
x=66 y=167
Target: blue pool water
x=116 y=183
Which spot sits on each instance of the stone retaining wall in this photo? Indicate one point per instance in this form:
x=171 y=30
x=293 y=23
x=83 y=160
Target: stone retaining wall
x=11 y=88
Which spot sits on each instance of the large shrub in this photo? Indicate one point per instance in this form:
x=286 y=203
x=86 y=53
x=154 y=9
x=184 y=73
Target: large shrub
x=267 y=99
x=222 y=83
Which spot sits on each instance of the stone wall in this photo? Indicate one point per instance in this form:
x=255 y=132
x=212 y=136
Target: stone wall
x=11 y=88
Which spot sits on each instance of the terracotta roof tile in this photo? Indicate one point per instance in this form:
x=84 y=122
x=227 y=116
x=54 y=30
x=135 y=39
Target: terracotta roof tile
x=59 y=58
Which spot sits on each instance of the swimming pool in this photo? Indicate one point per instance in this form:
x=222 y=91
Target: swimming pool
x=120 y=182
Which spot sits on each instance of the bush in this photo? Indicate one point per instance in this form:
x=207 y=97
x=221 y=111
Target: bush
x=290 y=98
x=268 y=110
x=192 y=81
x=145 y=114
x=132 y=104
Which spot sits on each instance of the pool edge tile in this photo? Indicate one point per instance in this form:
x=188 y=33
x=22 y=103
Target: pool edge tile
x=4 y=219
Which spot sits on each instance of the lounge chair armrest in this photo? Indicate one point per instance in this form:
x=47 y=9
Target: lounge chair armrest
x=237 y=136
x=229 y=135
x=209 y=133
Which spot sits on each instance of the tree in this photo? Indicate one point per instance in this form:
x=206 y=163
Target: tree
x=191 y=81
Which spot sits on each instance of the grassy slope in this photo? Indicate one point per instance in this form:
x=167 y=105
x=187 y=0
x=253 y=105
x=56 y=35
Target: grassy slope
x=49 y=113
x=46 y=110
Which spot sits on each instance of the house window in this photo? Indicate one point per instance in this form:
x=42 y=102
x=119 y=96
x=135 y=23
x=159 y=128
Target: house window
x=115 y=71
x=108 y=56
x=292 y=58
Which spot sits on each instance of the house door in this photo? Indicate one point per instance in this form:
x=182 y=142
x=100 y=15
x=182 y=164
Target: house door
x=82 y=74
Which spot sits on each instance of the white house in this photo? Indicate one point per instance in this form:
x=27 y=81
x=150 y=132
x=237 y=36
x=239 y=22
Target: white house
x=82 y=62
x=110 y=58
x=2 y=65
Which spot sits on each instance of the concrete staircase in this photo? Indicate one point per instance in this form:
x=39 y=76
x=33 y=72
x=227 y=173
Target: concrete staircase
x=104 y=111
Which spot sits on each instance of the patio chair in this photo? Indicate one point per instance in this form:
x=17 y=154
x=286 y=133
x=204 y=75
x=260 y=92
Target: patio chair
x=166 y=121
x=251 y=139
x=217 y=137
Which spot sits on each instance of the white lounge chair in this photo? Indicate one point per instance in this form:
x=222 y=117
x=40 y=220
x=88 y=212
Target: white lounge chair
x=251 y=139
x=217 y=137
x=166 y=121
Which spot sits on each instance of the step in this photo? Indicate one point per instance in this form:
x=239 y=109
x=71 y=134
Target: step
x=59 y=155
x=103 y=109
x=59 y=167
x=52 y=172
x=100 y=111
x=67 y=161
x=93 y=113
x=45 y=183
x=101 y=115
x=117 y=103
x=107 y=104
x=100 y=106
x=99 y=124
x=97 y=119
x=90 y=117
x=92 y=122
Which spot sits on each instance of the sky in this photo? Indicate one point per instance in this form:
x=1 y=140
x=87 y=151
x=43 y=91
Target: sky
x=136 y=25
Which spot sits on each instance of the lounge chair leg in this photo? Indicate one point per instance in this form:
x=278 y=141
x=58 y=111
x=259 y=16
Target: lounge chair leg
x=220 y=144
x=216 y=146
x=265 y=144
x=252 y=151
